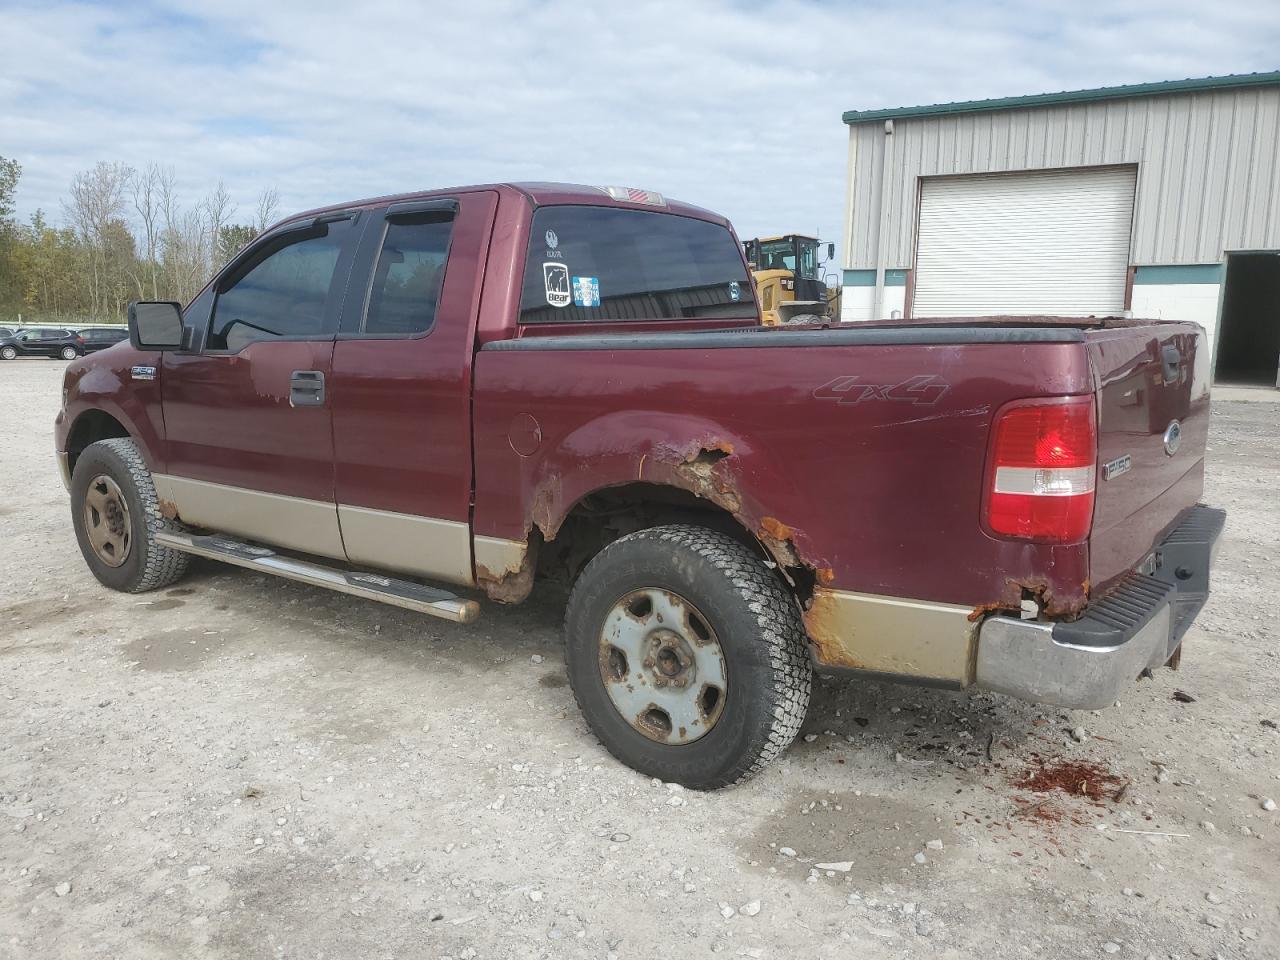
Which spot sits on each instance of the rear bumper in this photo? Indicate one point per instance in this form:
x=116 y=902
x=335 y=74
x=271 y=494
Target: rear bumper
x=1087 y=663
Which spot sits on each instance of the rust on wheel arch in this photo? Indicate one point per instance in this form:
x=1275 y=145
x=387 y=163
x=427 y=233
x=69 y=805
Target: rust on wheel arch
x=705 y=468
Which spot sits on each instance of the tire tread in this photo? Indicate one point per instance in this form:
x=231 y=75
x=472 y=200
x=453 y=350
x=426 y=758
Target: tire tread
x=162 y=565
x=778 y=621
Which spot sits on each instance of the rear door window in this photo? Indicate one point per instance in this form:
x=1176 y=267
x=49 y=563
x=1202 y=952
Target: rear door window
x=592 y=264
x=408 y=275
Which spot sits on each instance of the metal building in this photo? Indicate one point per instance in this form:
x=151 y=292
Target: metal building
x=1161 y=199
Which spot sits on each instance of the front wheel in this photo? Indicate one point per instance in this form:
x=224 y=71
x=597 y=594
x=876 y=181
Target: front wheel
x=69 y=353
x=116 y=516
x=8 y=353
x=687 y=656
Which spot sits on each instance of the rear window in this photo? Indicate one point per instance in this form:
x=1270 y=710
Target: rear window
x=591 y=264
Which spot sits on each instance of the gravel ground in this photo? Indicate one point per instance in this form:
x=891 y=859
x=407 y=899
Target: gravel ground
x=244 y=767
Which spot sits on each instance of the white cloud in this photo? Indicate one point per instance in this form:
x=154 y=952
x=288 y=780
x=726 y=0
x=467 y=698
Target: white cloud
x=734 y=106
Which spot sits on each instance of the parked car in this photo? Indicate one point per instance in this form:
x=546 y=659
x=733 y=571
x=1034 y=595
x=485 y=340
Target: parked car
x=42 y=342
x=6 y=332
x=497 y=386
x=99 y=338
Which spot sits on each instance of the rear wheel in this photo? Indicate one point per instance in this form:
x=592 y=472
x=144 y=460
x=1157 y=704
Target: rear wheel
x=687 y=656
x=8 y=353
x=69 y=353
x=116 y=517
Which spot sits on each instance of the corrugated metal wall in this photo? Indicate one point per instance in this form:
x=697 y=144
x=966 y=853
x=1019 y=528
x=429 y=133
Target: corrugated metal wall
x=1208 y=168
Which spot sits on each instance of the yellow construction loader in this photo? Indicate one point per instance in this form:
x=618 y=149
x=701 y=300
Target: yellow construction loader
x=788 y=284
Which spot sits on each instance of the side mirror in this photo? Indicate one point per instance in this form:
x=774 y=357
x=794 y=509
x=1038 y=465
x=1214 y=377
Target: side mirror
x=155 y=325
x=831 y=251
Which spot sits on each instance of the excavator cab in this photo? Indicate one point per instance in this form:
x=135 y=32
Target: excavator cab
x=786 y=274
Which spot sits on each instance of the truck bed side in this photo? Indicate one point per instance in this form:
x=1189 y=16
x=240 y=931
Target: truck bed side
x=857 y=455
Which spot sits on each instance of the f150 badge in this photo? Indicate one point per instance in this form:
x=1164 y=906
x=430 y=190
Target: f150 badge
x=1114 y=468
x=923 y=389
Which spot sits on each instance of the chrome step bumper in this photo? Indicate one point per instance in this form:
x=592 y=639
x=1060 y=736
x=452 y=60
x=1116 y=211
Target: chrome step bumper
x=371 y=586
x=1086 y=664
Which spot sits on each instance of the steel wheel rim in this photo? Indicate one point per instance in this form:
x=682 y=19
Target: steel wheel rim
x=107 y=521
x=662 y=666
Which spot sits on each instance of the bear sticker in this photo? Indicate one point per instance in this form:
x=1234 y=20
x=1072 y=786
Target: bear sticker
x=556 y=280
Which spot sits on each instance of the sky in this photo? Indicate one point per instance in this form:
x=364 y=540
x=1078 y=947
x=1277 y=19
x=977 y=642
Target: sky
x=733 y=106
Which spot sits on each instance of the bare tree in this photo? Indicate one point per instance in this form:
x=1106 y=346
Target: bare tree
x=185 y=242
x=146 y=200
x=268 y=208
x=96 y=205
x=218 y=211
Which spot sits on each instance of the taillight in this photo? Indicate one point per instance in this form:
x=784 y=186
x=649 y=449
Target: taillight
x=1041 y=481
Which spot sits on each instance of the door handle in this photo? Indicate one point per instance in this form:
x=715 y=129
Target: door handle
x=1172 y=359
x=306 y=388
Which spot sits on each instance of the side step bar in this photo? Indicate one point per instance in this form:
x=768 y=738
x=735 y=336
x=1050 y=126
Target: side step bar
x=371 y=586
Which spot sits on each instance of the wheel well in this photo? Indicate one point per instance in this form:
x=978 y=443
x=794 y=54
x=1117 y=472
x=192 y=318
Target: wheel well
x=90 y=427
x=602 y=517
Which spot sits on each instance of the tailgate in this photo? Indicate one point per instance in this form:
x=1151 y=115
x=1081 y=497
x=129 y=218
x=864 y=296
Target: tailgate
x=1153 y=418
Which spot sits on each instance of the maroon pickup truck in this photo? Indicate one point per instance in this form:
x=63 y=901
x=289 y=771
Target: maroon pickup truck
x=497 y=386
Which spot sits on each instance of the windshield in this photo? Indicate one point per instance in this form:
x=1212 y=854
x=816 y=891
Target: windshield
x=590 y=264
x=781 y=255
x=777 y=255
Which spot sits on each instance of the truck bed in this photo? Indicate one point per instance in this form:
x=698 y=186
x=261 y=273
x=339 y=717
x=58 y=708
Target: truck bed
x=861 y=450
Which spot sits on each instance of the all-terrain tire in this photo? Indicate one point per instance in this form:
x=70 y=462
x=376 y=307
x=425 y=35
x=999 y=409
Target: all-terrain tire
x=756 y=620
x=148 y=565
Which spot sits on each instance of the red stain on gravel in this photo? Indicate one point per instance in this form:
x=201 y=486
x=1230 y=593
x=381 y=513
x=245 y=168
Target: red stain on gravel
x=1078 y=778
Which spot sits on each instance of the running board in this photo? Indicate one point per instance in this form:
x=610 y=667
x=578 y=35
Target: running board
x=371 y=586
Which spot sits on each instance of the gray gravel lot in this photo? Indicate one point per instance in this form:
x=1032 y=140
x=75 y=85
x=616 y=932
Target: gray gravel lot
x=244 y=767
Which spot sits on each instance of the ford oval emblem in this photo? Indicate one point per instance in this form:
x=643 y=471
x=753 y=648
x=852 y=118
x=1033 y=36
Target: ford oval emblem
x=1172 y=437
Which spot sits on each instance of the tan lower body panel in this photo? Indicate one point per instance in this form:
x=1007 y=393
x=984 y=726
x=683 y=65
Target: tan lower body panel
x=499 y=557
x=436 y=549
x=291 y=522
x=909 y=638
x=424 y=546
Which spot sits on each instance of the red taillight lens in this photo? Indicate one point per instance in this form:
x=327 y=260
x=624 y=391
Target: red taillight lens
x=1042 y=471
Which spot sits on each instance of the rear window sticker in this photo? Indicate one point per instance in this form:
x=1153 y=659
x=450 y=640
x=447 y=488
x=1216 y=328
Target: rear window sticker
x=556 y=278
x=553 y=242
x=735 y=292
x=586 y=291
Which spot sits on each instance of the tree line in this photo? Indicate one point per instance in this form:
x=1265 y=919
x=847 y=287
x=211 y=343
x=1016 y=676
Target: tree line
x=124 y=235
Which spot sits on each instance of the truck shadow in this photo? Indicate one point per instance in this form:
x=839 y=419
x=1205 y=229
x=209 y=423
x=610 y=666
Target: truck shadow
x=923 y=729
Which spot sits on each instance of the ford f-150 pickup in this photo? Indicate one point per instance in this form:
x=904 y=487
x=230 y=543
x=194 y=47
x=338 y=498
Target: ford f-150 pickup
x=493 y=387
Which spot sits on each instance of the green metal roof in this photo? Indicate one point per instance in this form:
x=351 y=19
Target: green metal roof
x=1230 y=82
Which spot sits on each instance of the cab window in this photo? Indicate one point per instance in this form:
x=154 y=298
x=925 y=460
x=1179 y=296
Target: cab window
x=599 y=263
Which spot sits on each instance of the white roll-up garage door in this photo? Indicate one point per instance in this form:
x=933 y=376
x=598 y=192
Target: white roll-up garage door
x=1053 y=242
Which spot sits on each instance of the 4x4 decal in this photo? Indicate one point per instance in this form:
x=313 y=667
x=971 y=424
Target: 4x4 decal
x=923 y=389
